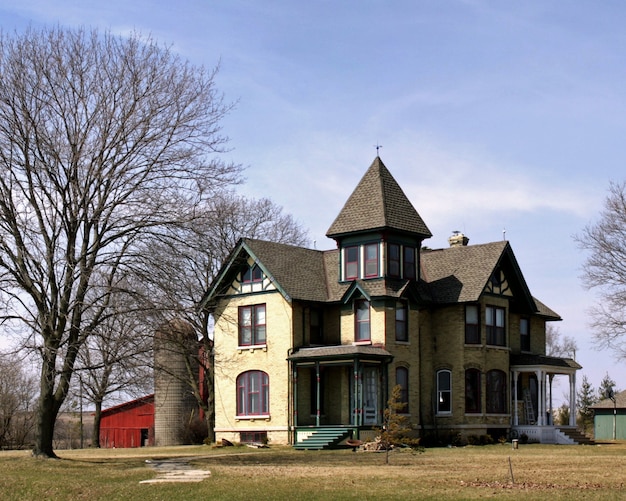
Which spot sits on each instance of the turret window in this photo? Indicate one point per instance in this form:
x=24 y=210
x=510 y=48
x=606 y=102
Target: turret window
x=351 y=263
x=409 y=263
x=371 y=260
x=393 y=260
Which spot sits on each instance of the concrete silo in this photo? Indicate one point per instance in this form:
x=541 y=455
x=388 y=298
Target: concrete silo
x=175 y=366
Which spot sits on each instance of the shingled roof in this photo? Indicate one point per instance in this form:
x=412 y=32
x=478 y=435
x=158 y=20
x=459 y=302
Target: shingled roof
x=298 y=271
x=376 y=203
x=459 y=274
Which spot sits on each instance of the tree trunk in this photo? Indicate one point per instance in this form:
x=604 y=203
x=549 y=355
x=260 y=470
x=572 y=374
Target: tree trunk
x=96 y=424
x=46 y=415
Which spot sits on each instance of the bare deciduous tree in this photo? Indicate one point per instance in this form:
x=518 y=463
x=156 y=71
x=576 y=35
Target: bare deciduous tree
x=196 y=259
x=605 y=270
x=102 y=140
x=18 y=391
x=557 y=346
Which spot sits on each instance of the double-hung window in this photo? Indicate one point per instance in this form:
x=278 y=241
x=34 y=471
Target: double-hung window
x=402 y=380
x=402 y=331
x=408 y=263
x=524 y=333
x=351 y=257
x=253 y=391
x=444 y=392
x=252 y=325
x=393 y=260
x=494 y=325
x=362 y=320
x=472 y=324
x=371 y=260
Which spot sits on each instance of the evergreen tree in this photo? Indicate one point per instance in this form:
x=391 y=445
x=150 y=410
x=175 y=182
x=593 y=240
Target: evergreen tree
x=607 y=387
x=585 y=398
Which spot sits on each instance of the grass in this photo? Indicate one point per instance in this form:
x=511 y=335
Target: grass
x=239 y=473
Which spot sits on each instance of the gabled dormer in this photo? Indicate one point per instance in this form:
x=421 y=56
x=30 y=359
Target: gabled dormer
x=378 y=231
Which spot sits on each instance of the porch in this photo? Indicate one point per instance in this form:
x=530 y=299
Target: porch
x=532 y=378
x=337 y=392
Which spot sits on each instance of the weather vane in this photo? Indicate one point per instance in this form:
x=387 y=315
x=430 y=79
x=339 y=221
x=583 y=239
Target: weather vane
x=378 y=147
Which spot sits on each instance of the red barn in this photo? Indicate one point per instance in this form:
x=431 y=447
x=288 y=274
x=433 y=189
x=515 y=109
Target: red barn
x=130 y=424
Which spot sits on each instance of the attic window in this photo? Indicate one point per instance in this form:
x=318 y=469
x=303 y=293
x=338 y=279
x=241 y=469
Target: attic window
x=253 y=275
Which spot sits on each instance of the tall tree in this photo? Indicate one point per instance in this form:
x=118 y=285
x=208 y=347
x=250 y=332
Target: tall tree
x=102 y=140
x=585 y=398
x=559 y=346
x=607 y=388
x=605 y=270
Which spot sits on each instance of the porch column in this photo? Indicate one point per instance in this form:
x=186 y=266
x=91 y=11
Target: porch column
x=294 y=376
x=541 y=398
x=572 y=399
x=551 y=410
x=515 y=406
x=317 y=396
x=355 y=394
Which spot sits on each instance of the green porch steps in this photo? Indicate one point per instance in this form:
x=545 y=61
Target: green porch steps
x=323 y=438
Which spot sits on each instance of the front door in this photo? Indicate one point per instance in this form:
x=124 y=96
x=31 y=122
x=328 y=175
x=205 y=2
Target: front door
x=370 y=395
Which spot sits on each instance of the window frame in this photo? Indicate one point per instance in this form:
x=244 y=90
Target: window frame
x=444 y=395
x=402 y=324
x=472 y=330
x=253 y=275
x=524 y=334
x=496 y=334
x=372 y=264
x=402 y=380
x=348 y=264
x=496 y=392
x=473 y=387
x=362 y=326
x=316 y=329
x=409 y=266
x=394 y=267
x=246 y=390
x=255 y=328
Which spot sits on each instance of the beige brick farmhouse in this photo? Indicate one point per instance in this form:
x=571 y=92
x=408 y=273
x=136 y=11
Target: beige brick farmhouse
x=309 y=343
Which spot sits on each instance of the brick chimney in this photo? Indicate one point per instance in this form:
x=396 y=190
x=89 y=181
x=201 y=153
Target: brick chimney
x=458 y=239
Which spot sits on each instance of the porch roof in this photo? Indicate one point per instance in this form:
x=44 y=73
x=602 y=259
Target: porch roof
x=554 y=364
x=348 y=351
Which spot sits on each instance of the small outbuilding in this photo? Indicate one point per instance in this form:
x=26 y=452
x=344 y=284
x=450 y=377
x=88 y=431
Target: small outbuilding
x=610 y=418
x=130 y=424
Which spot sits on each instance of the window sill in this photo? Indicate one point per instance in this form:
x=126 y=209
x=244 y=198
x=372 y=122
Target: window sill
x=444 y=414
x=251 y=348
x=361 y=343
x=261 y=417
x=497 y=347
x=405 y=343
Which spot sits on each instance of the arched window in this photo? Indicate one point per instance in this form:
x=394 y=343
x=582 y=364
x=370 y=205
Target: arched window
x=402 y=380
x=472 y=391
x=496 y=392
x=444 y=392
x=362 y=320
x=253 y=392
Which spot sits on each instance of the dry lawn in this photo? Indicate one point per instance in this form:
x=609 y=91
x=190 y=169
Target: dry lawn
x=538 y=472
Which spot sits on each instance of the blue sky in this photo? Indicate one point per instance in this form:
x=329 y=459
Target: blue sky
x=492 y=115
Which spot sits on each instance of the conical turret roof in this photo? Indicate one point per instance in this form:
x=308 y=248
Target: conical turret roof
x=378 y=202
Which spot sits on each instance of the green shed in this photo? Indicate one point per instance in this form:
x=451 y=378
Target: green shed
x=610 y=418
